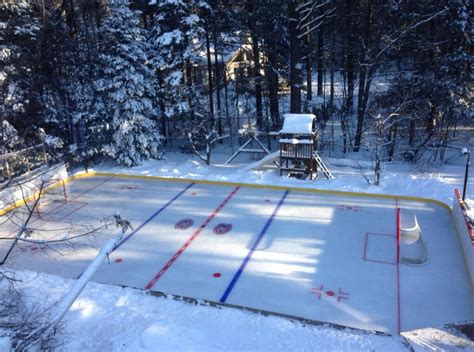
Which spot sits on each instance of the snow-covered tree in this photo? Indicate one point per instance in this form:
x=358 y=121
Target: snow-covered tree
x=19 y=28
x=173 y=41
x=125 y=126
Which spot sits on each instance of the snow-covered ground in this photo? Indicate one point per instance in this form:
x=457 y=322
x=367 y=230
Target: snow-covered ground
x=112 y=318
x=437 y=183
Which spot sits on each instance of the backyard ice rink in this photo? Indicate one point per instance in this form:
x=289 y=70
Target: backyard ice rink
x=308 y=254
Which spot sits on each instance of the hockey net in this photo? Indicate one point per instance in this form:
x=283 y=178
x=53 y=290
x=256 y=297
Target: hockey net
x=52 y=195
x=413 y=250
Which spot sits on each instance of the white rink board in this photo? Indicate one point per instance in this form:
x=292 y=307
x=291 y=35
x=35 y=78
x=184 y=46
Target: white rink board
x=464 y=231
x=329 y=258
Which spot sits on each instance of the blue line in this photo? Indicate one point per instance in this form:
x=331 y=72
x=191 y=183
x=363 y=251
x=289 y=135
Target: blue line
x=252 y=249
x=152 y=217
x=147 y=220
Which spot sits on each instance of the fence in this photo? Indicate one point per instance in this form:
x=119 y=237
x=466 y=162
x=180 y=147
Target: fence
x=25 y=160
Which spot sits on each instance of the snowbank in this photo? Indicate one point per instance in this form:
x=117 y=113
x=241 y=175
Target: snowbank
x=350 y=176
x=112 y=318
x=29 y=184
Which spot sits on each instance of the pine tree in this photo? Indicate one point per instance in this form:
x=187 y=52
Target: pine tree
x=19 y=29
x=125 y=113
x=173 y=41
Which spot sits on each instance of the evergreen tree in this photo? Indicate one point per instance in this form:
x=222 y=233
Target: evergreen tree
x=19 y=30
x=173 y=41
x=125 y=116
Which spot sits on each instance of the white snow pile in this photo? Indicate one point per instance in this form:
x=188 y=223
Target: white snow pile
x=5 y=343
x=470 y=208
x=350 y=176
x=112 y=318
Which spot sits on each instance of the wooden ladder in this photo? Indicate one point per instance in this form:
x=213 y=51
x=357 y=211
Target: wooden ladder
x=322 y=166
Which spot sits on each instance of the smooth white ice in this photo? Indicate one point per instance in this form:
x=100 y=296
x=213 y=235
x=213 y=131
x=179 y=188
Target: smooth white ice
x=323 y=257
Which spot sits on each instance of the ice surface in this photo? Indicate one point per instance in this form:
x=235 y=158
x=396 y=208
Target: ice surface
x=140 y=322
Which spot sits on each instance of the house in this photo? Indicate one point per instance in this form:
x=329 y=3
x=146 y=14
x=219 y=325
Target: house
x=235 y=61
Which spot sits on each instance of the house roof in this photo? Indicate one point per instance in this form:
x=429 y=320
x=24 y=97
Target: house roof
x=230 y=47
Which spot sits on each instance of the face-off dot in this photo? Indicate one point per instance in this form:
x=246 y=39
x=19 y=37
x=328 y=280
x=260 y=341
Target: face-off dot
x=118 y=260
x=217 y=275
x=222 y=228
x=330 y=293
x=184 y=224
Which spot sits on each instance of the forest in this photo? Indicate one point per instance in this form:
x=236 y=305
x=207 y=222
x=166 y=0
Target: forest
x=91 y=80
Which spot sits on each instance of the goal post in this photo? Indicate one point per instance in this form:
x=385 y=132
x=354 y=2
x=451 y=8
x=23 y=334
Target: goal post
x=412 y=248
x=52 y=194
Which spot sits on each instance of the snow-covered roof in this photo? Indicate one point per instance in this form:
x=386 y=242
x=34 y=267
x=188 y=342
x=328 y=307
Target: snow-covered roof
x=298 y=123
x=295 y=141
x=227 y=54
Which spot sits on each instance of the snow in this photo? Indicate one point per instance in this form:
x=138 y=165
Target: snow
x=112 y=318
x=295 y=141
x=470 y=209
x=5 y=343
x=298 y=123
x=68 y=300
x=397 y=178
x=168 y=38
x=123 y=319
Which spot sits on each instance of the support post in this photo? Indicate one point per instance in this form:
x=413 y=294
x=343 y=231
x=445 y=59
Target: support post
x=466 y=152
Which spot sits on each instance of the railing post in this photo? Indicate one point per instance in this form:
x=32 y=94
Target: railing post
x=44 y=154
x=7 y=167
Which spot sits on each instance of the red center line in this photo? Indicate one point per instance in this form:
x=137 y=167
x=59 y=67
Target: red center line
x=190 y=240
x=398 y=269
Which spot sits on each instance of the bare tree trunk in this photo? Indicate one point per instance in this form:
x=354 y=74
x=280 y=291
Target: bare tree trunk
x=344 y=131
x=332 y=64
x=393 y=139
x=364 y=87
x=295 y=56
x=350 y=55
x=320 y=57
x=411 y=135
x=258 y=79
x=272 y=83
x=379 y=125
x=209 y=73
x=309 y=67
x=161 y=104
x=218 y=84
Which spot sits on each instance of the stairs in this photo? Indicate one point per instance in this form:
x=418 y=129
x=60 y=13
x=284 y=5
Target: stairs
x=322 y=166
